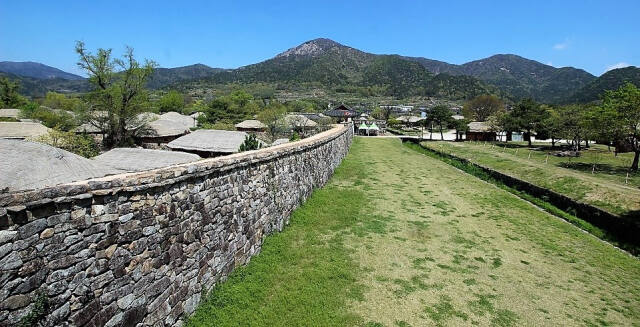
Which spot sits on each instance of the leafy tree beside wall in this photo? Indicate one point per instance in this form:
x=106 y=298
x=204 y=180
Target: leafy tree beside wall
x=118 y=94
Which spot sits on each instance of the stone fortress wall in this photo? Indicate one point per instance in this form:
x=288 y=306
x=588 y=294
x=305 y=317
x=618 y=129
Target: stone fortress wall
x=139 y=249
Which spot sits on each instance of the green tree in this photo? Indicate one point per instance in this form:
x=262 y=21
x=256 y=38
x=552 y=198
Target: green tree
x=461 y=126
x=553 y=125
x=172 y=101
x=9 y=96
x=381 y=113
x=571 y=124
x=223 y=125
x=481 y=107
x=250 y=143
x=601 y=122
x=60 y=101
x=52 y=118
x=441 y=116
x=622 y=108
x=118 y=94
x=300 y=106
x=527 y=116
x=272 y=116
x=235 y=107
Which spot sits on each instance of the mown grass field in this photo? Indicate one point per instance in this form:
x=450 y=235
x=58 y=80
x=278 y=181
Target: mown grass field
x=596 y=177
x=397 y=238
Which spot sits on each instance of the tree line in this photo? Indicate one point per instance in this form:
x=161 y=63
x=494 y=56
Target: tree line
x=614 y=121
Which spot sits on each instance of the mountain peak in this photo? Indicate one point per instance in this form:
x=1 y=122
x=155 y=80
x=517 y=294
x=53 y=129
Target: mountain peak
x=311 y=48
x=35 y=70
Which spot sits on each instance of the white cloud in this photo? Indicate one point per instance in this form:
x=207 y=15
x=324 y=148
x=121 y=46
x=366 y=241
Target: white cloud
x=616 y=66
x=561 y=46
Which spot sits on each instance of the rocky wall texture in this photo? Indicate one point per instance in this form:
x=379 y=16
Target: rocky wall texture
x=139 y=249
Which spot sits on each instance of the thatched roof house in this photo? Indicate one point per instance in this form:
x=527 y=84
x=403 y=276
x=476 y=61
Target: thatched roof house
x=22 y=130
x=299 y=121
x=185 y=120
x=209 y=142
x=10 y=113
x=410 y=119
x=29 y=165
x=251 y=125
x=479 y=126
x=165 y=129
x=280 y=141
x=480 y=131
x=315 y=116
x=136 y=159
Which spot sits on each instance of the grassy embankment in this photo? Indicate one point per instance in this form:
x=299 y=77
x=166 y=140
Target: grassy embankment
x=596 y=177
x=398 y=238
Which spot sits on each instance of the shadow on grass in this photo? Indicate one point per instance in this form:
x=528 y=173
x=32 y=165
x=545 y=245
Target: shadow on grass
x=599 y=167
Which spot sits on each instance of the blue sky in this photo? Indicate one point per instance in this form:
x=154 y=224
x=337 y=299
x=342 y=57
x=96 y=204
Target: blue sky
x=592 y=35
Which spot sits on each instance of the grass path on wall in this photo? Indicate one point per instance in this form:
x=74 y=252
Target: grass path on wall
x=397 y=238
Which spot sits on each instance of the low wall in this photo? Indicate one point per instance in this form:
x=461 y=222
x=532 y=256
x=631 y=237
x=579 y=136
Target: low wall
x=626 y=229
x=141 y=248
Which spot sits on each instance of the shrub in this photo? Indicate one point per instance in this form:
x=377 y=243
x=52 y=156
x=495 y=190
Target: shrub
x=220 y=125
x=82 y=144
x=250 y=143
x=294 y=137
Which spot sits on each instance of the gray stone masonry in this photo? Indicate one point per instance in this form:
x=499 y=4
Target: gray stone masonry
x=138 y=249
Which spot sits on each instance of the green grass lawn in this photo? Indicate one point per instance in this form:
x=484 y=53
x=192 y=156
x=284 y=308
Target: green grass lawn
x=397 y=238
x=596 y=177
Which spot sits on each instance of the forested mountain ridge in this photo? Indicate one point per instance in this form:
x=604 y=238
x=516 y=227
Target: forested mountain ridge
x=324 y=63
x=517 y=76
x=610 y=80
x=35 y=70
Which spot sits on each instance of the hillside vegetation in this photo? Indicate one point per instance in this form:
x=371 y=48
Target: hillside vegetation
x=610 y=80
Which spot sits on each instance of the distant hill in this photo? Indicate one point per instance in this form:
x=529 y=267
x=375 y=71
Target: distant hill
x=35 y=87
x=166 y=76
x=35 y=70
x=70 y=83
x=517 y=76
x=610 y=80
x=329 y=64
x=326 y=63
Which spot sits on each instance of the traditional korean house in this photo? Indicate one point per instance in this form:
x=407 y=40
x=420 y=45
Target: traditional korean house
x=341 y=113
x=22 y=130
x=209 y=142
x=480 y=131
x=29 y=165
x=137 y=159
x=251 y=125
x=10 y=114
